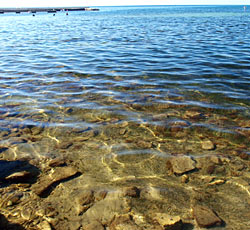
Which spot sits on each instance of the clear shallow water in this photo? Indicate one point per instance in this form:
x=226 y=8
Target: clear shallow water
x=119 y=91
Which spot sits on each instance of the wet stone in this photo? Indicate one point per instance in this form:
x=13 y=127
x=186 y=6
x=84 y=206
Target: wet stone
x=86 y=197
x=48 y=181
x=123 y=222
x=168 y=222
x=86 y=135
x=184 y=178
x=27 y=213
x=182 y=164
x=144 y=144
x=15 y=199
x=57 y=162
x=132 y=192
x=208 y=145
x=178 y=123
x=205 y=217
x=210 y=168
x=100 y=195
x=64 y=145
x=36 y=130
x=94 y=226
x=19 y=176
x=45 y=226
x=192 y=114
x=123 y=131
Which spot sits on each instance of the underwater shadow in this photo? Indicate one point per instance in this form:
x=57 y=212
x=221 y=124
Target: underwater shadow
x=17 y=172
x=6 y=225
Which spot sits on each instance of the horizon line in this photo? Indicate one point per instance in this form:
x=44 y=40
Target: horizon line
x=122 y=5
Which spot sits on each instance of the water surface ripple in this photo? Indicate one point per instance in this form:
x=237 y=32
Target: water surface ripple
x=121 y=90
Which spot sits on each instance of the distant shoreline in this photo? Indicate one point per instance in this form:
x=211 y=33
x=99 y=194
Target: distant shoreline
x=45 y=9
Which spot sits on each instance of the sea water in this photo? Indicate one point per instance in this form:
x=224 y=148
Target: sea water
x=118 y=94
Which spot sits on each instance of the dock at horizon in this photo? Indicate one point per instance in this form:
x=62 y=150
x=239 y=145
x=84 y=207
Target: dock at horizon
x=44 y=9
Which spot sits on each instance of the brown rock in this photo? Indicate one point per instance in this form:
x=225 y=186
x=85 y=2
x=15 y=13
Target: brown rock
x=184 y=178
x=100 y=195
x=45 y=225
x=86 y=197
x=94 y=226
x=132 y=192
x=57 y=162
x=168 y=222
x=123 y=222
x=205 y=217
x=48 y=181
x=210 y=168
x=36 y=130
x=144 y=144
x=19 y=176
x=208 y=145
x=122 y=131
x=182 y=164
x=192 y=114
x=64 y=145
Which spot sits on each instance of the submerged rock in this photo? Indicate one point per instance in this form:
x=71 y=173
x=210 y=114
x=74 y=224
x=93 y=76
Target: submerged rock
x=57 y=162
x=168 y=222
x=123 y=222
x=182 y=164
x=132 y=191
x=205 y=217
x=208 y=145
x=94 y=226
x=19 y=176
x=47 y=182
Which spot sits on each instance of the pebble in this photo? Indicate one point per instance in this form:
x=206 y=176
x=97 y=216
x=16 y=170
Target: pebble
x=182 y=164
x=184 y=178
x=208 y=145
x=205 y=217
x=168 y=222
x=217 y=182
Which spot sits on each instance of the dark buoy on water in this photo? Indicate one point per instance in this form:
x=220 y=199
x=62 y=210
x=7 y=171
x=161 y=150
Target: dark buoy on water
x=54 y=14
x=33 y=15
x=67 y=13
